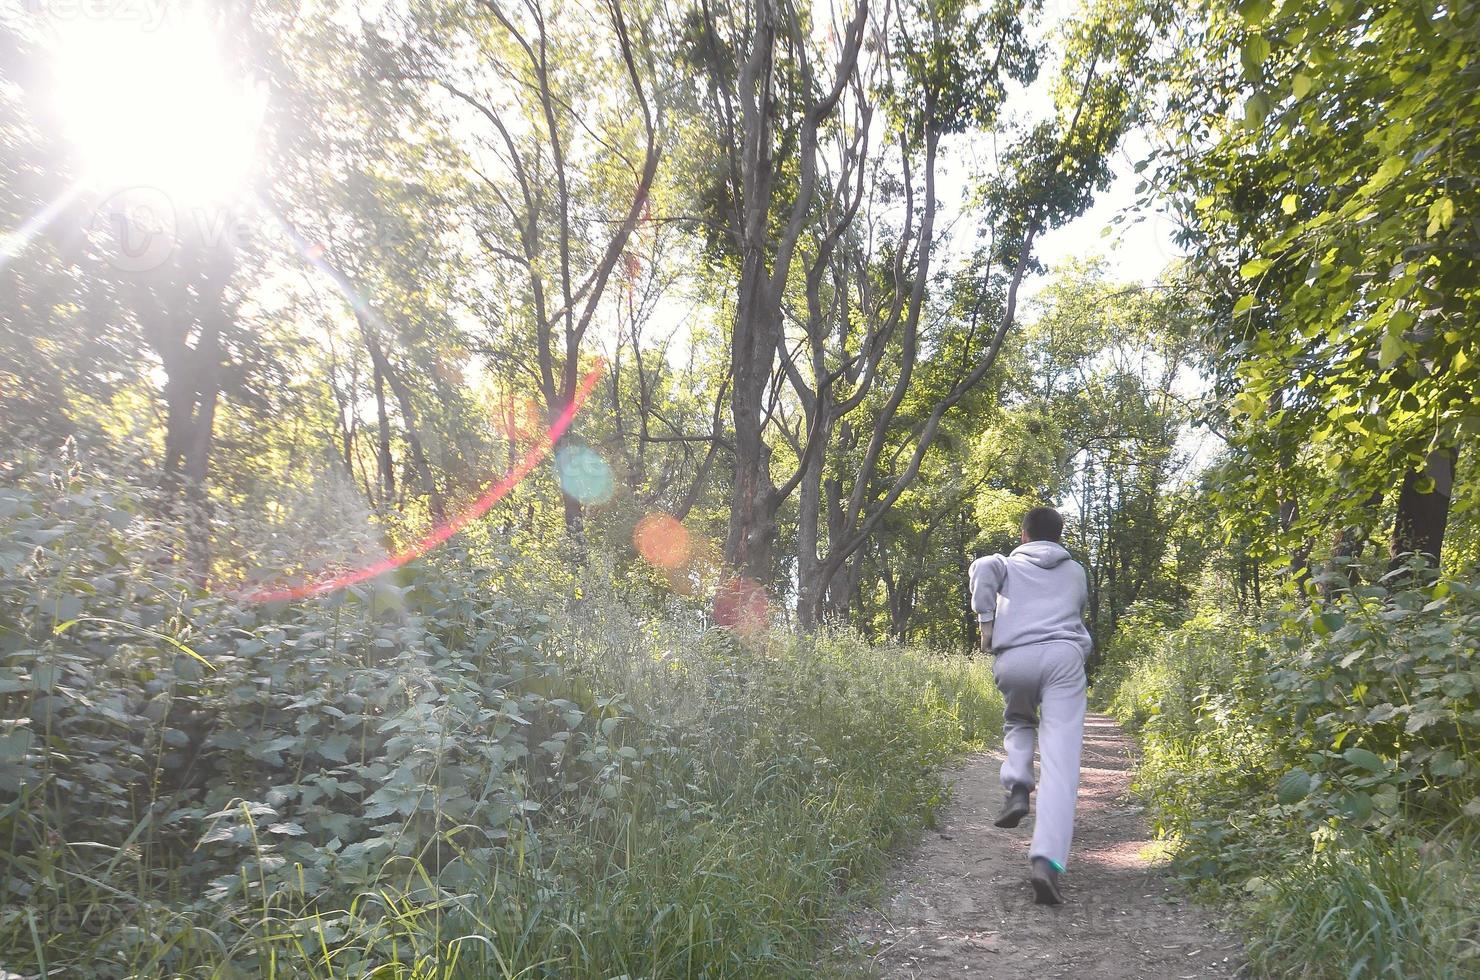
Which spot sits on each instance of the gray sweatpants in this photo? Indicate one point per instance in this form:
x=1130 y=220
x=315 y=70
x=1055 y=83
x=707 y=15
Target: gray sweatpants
x=1043 y=690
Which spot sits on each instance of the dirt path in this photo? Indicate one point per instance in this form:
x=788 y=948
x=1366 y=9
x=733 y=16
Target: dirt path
x=959 y=904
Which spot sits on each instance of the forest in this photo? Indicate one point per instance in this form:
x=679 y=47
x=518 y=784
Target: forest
x=487 y=486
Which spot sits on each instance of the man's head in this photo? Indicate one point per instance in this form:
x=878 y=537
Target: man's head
x=1043 y=524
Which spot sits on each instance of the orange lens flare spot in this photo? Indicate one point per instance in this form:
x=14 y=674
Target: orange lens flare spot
x=662 y=540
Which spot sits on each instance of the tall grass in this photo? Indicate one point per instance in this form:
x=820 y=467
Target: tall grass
x=797 y=766
x=431 y=778
x=1374 y=909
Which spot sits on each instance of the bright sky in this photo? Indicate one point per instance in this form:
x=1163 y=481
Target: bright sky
x=1137 y=250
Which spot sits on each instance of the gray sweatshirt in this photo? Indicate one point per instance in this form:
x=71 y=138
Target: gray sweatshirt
x=1037 y=593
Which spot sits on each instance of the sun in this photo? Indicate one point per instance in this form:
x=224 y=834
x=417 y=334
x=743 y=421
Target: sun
x=156 y=106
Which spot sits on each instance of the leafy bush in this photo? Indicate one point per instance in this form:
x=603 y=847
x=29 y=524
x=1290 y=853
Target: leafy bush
x=1195 y=696
x=1382 y=684
x=1303 y=764
x=425 y=774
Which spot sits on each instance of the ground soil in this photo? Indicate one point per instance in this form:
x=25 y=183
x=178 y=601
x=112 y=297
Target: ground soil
x=958 y=903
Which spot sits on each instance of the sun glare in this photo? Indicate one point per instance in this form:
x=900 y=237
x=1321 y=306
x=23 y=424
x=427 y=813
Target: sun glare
x=155 y=107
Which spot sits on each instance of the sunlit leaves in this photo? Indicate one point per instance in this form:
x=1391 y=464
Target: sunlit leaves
x=1441 y=216
x=958 y=61
x=1325 y=193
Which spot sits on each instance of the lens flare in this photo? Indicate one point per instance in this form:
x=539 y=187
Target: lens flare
x=662 y=540
x=157 y=106
x=584 y=475
x=741 y=605
x=442 y=532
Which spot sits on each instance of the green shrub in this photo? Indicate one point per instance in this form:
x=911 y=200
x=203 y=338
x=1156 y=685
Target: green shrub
x=1196 y=698
x=428 y=775
x=1296 y=765
x=1381 y=686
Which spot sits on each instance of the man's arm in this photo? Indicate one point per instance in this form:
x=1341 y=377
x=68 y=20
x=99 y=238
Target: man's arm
x=985 y=578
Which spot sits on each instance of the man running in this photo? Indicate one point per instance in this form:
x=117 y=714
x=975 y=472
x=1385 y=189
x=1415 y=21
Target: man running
x=1030 y=605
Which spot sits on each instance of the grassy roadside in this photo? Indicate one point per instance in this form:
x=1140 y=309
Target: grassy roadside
x=1317 y=776
x=429 y=777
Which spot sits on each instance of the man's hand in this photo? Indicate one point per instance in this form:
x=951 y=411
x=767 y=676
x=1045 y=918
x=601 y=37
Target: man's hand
x=986 y=630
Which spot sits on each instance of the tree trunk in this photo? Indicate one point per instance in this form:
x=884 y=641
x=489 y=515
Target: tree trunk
x=421 y=464
x=1351 y=539
x=1423 y=510
x=198 y=449
x=809 y=518
x=167 y=327
x=383 y=443
x=766 y=250
x=187 y=297
x=752 y=529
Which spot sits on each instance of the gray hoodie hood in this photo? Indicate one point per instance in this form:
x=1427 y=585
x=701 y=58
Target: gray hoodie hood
x=1044 y=554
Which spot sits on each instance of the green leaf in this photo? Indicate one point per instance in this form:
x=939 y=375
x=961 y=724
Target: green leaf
x=1363 y=759
x=1390 y=168
x=1301 y=85
x=1245 y=304
x=1392 y=348
x=1357 y=806
x=1421 y=719
x=1254 y=268
x=223 y=832
x=1293 y=787
x=1254 y=12
x=14 y=745
x=1247 y=403
x=1254 y=53
x=335 y=748
x=1441 y=216
x=1289 y=203
x=1444 y=763
x=1256 y=107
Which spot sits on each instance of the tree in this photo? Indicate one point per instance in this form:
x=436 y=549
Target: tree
x=1329 y=210
x=850 y=265
x=562 y=171
x=771 y=94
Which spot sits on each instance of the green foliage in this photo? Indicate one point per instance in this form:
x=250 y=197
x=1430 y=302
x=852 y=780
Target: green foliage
x=1319 y=156
x=1382 y=685
x=427 y=771
x=1404 y=909
x=1090 y=416
x=958 y=60
x=1322 y=766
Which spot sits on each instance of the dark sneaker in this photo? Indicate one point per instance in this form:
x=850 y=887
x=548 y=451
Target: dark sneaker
x=1015 y=809
x=1045 y=879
